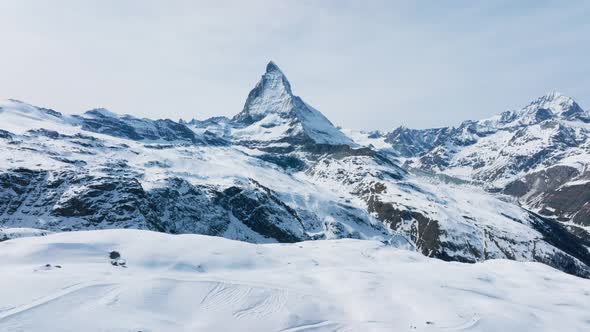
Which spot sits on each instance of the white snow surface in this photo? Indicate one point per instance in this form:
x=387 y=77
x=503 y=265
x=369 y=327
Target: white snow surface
x=18 y=117
x=200 y=283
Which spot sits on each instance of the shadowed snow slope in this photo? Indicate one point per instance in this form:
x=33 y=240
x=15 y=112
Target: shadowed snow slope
x=201 y=283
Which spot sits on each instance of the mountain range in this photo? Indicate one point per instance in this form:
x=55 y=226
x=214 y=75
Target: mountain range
x=538 y=154
x=514 y=186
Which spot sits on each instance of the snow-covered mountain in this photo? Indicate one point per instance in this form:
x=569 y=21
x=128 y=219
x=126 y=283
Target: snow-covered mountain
x=65 y=282
x=539 y=154
x=278 y=171
x=273 y=115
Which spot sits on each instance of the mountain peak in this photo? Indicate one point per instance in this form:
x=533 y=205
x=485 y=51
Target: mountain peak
x=275 y=78
x=553 y=94
x=550 y=106
x=555 y=103
x=272 y=94
x=550 y=97
x=101 y=113
x=273 y=113
x=272 y=67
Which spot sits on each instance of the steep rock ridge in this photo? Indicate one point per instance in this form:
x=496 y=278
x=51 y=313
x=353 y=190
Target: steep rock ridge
x=538 y=153
x=279 y=171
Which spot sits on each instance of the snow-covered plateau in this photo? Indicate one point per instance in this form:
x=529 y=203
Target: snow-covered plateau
x=65 y=282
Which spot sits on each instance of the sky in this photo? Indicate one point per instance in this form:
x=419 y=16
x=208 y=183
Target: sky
x=364 y=64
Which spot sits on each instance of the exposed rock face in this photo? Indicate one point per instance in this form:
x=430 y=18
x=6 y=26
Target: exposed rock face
x=279 y=171
x=558 y=191
x=262 y=211
x=424 y=232
x=69 y=201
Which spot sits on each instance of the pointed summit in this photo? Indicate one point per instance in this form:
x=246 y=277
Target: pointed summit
x=272 y=67
x=272 y=94
x=272 y=113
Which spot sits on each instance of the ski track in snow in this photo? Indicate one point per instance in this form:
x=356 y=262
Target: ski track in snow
x=72 y=292
x=319 y=326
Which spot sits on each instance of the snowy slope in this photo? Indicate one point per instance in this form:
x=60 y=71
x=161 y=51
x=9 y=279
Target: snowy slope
x=18 y=117
x=200 y=283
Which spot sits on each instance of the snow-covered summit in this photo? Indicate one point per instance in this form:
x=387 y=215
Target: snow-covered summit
x=551 y=106
x=99 y=113
x=272 y=94
x=559 y=105
x=272 y=113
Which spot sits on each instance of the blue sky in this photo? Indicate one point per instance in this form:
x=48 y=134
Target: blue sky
x=364 y=64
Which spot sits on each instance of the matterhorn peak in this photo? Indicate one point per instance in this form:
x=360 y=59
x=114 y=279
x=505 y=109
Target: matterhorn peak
x=272 y=94
x=275 y=78
x=271 y=104
x=272 y=67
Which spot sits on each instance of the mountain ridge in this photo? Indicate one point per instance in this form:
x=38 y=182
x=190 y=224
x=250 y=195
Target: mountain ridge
x=274 y=177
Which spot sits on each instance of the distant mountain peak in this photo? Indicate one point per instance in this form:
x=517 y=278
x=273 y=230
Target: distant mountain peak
x=553 y=94
x=553 y=104
x=552 y=97
x=100 y=112
x=272 y=104
x=272 y=94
